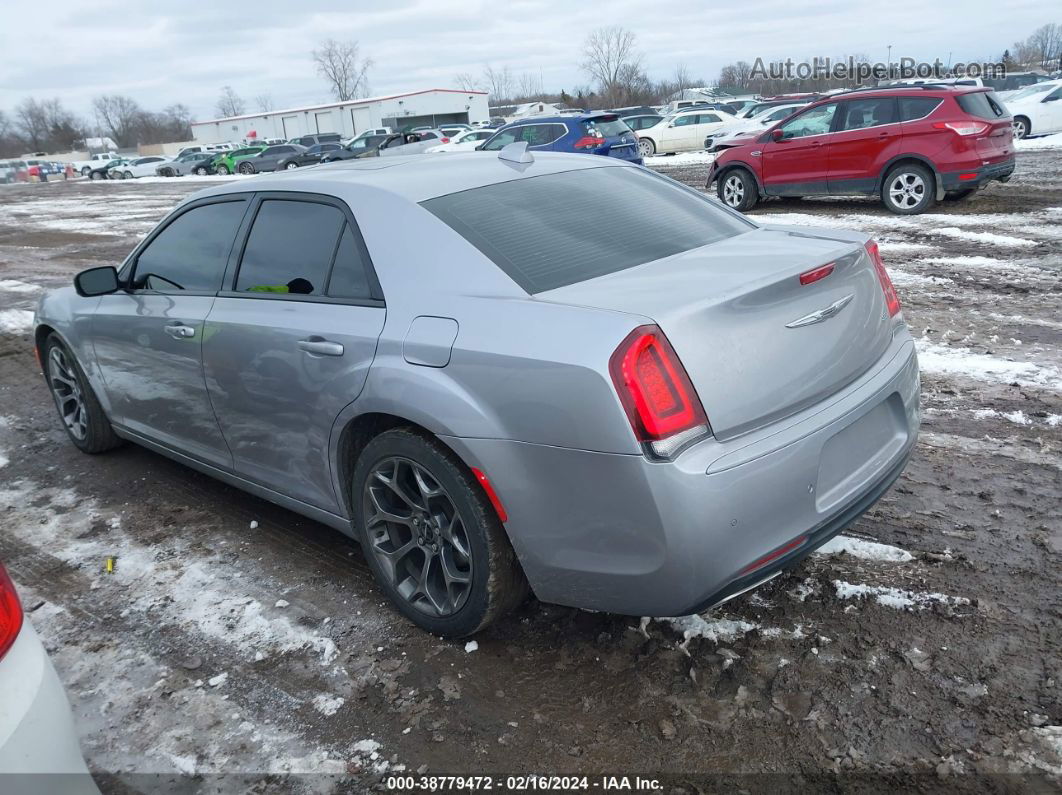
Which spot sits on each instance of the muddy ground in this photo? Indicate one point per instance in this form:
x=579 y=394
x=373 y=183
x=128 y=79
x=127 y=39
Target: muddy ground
x=235 y=637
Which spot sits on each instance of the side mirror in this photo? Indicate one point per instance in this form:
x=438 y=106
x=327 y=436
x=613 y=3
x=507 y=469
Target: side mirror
x=97 y=281
x=776 y=135
x=480 y=146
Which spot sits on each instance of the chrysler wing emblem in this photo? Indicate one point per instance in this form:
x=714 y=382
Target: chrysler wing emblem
x=820 y=315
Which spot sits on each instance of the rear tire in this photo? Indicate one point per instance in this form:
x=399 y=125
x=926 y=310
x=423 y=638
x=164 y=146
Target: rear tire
x=79 y=410
x=909 y=189
x=431 y=536
x=223 y=170
x=290 y=166
x=1022 y=128
x=245 y=168
x=128 y=175
x=85 y=171
x=737 y=190
x=201 y=171
x=646 y=147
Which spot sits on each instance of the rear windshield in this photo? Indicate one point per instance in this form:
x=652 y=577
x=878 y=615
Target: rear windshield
x=982 y=104
x=559 y=229
x=606 y=127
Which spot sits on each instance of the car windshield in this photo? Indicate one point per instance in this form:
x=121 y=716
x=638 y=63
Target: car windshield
x=1039 y=88
x=559 y=229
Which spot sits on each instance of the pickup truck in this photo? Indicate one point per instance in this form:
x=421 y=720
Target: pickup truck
x=83 y=167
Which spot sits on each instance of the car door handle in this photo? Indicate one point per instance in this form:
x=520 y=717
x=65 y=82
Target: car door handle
x=321 y=346
x=179 y=331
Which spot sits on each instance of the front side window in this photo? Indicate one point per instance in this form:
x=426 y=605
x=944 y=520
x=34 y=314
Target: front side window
x=191 y=252
x=290 y=248
x=682 y=121
x=862 y=113
x=816 y=121
x=539 y=232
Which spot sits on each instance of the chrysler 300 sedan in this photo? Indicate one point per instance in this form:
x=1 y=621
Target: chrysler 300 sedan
x=503 y=372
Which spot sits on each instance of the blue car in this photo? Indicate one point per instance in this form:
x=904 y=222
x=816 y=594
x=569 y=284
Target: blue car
x=587 y=133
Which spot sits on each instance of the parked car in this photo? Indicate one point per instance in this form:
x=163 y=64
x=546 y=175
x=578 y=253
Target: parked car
x=268 y=158
x=683 y=131
x=103 y=169
x=38 y=744
x=643 y=121
x=452 y=130
x=7 y=172
x=736 y=130
x=317 y=138
x=185 y=164
x=739 y=106
x=910 y=145
x=83 y=167
x=310 y=157
x=227 y=162
x=576 y=409
x=362 y=146
x=411 y=143
x=1037 y=110
x=375 y=131
x=137 y=167
x=1007 y=87
x=464 y=141
x=588 y=133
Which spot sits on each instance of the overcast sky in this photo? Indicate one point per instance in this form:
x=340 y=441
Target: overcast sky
x=186 y=50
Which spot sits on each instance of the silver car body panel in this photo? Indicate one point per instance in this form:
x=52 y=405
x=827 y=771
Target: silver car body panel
x=812 y=422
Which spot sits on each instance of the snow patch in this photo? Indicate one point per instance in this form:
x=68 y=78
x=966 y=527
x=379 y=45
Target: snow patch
x=896 y=598
x=864 y=550
x=327 y=704
x=990 y=238
x=15 y=286
x=16 y=321
x=946 y=360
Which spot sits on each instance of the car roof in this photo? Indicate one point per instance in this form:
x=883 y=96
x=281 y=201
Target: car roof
x=413 y=177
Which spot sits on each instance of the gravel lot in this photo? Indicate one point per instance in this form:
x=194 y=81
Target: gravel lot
x=922 y=651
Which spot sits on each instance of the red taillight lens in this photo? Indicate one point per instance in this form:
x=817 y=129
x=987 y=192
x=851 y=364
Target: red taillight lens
x=657 y=395
x=892 y=301
x=589 y=142
x=810 y=277
x=445 y=140
x=10 y=613
x=962 y=127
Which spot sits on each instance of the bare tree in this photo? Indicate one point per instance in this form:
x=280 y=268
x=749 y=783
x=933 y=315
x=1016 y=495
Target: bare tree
x=498 y=83
x=466 y=82
x=610 y=58
x=264 y=102
x=338 y=63
x=119 y=117
x=681 y=80
x=230 y=103
x=529 y=86
x=45 y=125
x=1046 y=43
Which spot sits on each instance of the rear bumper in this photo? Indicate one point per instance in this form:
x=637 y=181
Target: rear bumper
x=976 y=177
x=39 y=750
x=622 y=534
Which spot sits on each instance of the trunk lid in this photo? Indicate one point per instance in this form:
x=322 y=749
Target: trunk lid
x=725 y=309
x=998 y=142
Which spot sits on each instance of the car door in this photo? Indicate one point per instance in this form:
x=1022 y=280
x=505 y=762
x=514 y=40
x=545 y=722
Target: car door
x=867 y=136
x=289 y=344
x=148 y=338
x=677 y=134
x=707 y=123
x=797 y=164
x=1051 y=111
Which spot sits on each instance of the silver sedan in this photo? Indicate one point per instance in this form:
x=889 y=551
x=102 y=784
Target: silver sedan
x=504 y=373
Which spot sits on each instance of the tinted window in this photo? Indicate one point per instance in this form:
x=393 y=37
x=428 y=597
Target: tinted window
x=812 y=122
x=861 y=113
x=982 y=104
x=606 y=127
x=328 y=147
x=682 y=121
x=290 y=248
x=912 y=108
x=708 y=118
x=1054 y=95
x=190 y=253
x=558 y=229
x=349 y=277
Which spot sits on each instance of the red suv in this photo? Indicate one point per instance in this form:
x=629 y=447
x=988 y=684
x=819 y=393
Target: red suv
x=911 y=145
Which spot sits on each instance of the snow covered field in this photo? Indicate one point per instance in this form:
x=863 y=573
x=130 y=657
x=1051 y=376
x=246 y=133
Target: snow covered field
x=235 y=638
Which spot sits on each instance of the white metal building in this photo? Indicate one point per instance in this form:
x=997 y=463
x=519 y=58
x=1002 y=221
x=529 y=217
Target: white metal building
x=432 y=106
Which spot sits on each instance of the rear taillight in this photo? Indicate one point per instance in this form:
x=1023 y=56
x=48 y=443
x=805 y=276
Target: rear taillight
x=445 y=140
x=589 y=142
x=661 y=403
x=962 y=127
x=10 y=613
x=892 y=301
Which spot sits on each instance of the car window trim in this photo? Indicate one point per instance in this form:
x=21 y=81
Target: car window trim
x=228 y=283
x=127 y=273
x=939 y=101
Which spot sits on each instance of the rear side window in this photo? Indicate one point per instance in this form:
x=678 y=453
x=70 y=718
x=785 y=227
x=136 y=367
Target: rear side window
x=349 y=275
x=558 y=229
x=912 y=108
x=861 y=113
x=191 y=253
x=290 y=248
x=982 y=104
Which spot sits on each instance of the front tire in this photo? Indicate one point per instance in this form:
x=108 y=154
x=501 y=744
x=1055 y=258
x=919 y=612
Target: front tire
x=86 y=171
x=909 y=189
x=245 y=168
x=1022 y=128
x=80 y=411
x=223 y=170
x=201 y=171
x=128 y=175
x=737 y=190
x=646 y=147
x=290 y=166
x=431 y=536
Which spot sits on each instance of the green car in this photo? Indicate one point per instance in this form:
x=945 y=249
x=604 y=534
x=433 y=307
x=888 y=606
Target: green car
x=226 y=162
